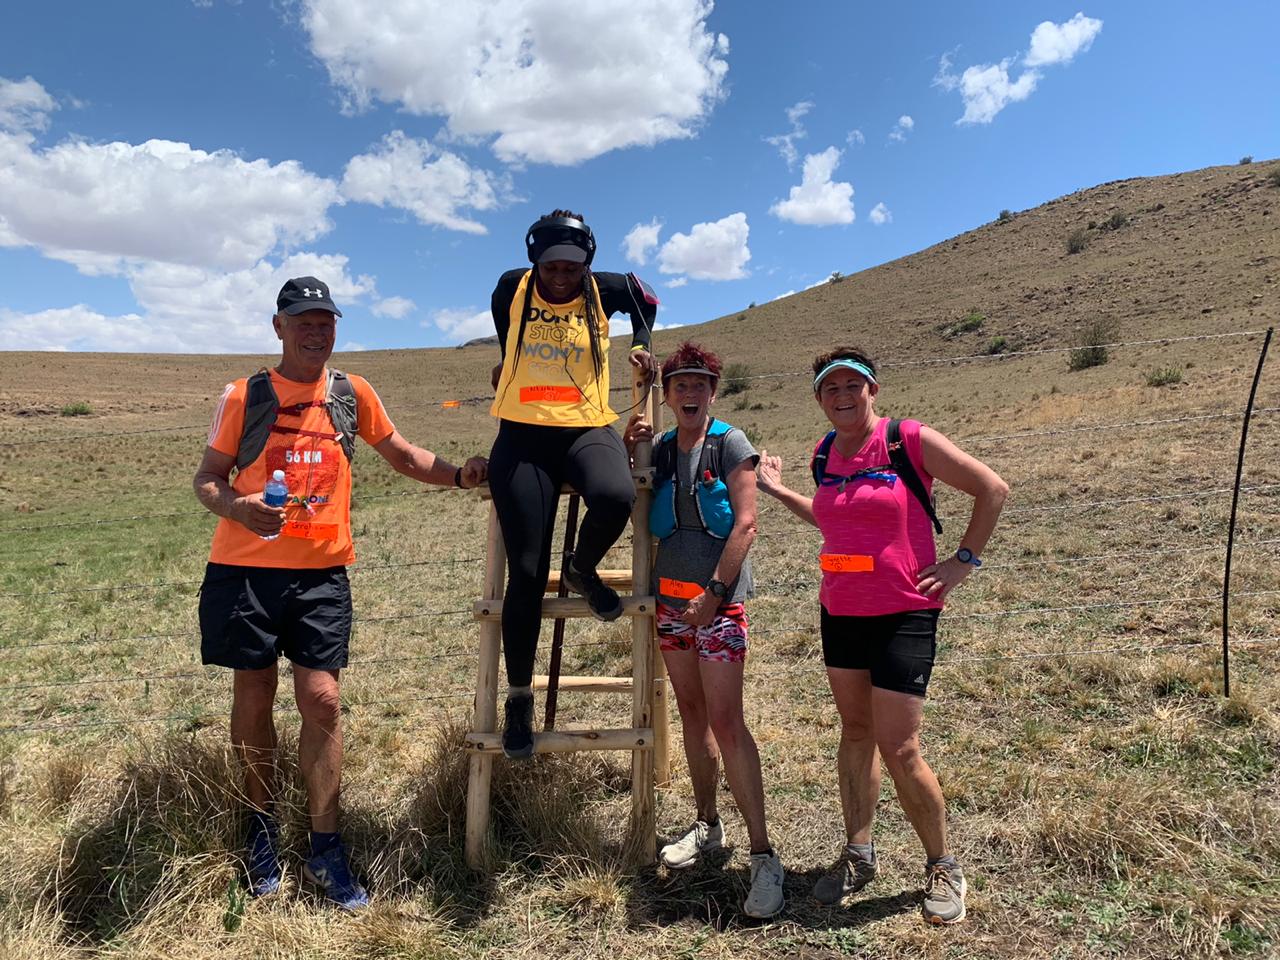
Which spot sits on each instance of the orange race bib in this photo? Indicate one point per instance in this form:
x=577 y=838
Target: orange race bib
x=678 y=588
x=847 y=563
x=310 y=530
x=550 y=394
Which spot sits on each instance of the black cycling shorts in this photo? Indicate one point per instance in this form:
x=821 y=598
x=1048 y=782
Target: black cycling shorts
x=898 y=648
x=250 y=616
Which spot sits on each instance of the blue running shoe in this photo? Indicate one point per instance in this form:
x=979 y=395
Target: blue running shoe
x=329 y=871
x=261 y=860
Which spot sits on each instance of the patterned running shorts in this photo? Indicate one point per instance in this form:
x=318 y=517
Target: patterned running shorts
x=724 y=640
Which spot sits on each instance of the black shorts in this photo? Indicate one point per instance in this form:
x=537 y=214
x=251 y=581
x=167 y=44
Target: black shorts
x=898 y=648
x=250 y=616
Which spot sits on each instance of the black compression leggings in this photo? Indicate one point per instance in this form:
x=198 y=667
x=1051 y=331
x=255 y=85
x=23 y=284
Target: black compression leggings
x=527 y=466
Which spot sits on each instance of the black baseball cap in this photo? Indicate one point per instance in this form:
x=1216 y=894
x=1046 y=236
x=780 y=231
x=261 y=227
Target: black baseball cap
x=302 y=294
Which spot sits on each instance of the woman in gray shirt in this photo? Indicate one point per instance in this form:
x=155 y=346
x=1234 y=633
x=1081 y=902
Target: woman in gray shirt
x=704 y=514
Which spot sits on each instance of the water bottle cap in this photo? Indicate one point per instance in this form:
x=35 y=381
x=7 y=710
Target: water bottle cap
x=278 y=475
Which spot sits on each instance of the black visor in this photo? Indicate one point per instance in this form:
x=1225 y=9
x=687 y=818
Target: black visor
x=560 y=231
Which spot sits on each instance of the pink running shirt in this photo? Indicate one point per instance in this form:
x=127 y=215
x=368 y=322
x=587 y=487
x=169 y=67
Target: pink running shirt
x=876 y=519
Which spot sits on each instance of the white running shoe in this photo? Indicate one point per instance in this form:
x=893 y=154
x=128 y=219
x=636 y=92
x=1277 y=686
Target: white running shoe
x=765 y=898
x=700 y=838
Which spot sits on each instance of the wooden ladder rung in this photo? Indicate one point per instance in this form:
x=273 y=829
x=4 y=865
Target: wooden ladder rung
x=618 y=579
x=642 y=476
x=569 y=741
x=564 y=608
x=593 y=684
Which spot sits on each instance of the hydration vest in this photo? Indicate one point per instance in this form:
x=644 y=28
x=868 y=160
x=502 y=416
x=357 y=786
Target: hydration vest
x=262 y=406
x=711 y=496
x=899 y=464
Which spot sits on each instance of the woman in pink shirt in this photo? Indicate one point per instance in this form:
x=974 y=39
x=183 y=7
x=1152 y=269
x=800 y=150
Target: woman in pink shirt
x=882 y=591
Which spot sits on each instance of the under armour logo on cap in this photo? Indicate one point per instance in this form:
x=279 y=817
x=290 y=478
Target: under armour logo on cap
x=305 y=293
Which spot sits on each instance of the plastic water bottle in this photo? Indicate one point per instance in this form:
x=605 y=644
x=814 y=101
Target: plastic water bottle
x=275 y=494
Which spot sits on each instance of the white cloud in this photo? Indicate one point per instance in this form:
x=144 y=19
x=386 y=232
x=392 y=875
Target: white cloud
x=709 y=251
x=785 y=142
x=1053 y=43
x=24 y=105
x=397 y=308
x=880 y=214
x=986 y=89
x=817 y=201
x=640 y=241
x=667 y=326
x=351 y=347
x=677 y=282
x=855 y=138
x=553 y=82
x=102 y=206
x=460 y=325
x=783 y=295
x=900 y=129
x=430 y=183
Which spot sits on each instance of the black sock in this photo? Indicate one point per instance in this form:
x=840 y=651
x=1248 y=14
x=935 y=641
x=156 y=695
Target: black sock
x=320 y=842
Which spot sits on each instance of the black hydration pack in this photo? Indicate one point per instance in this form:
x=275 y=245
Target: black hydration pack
x=899 y=464
x=262 y=406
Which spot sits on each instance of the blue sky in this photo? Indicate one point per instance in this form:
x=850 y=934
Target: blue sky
x=165 y=165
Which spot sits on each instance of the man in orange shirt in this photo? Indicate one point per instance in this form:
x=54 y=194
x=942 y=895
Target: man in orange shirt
x=276 y=582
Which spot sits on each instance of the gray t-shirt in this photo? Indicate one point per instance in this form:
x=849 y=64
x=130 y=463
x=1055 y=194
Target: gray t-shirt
x=690 y=554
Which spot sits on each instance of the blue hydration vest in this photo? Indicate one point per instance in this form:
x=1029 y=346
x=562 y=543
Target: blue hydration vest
x=711 y=496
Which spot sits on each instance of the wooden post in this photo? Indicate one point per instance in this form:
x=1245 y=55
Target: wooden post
x=644 y=831
x=486 y=702
x=661 y=709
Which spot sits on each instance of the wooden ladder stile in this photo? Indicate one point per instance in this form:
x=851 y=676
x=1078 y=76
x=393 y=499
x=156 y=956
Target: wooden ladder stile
x=647 y=737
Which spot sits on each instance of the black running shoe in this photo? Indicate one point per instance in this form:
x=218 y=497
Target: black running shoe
x=517 y=735
x=601 y=598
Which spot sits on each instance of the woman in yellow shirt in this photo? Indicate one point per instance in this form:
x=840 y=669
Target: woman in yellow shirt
x=552 y=403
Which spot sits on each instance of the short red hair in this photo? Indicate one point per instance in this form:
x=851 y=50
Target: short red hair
x=691 y=355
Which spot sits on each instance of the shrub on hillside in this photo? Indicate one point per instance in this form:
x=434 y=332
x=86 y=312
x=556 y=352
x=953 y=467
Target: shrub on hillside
x=836 y=277
x=1005 y=216
x=1246 y=160
x=1273 y=177
x=734 y=379
x=1163 y=376
x=971 y=321
x=1115 y=221
x=996 y=345
x=80 y=408
x=1089 y=349
x=1077 y=240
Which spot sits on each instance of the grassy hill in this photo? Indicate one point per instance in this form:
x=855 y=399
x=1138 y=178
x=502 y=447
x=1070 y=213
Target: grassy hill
x=1106 y=799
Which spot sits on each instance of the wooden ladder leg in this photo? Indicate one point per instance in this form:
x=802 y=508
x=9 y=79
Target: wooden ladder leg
x=644 y=832
x=486 y=702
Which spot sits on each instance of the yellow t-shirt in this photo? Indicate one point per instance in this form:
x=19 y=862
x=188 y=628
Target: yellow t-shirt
x=550 y=379
x=317 y=531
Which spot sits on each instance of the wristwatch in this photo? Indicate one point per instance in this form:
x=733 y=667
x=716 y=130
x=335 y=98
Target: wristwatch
x=965 y=555
x=718 y=589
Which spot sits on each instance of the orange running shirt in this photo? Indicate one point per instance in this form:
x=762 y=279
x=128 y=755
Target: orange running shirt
x=317 y=531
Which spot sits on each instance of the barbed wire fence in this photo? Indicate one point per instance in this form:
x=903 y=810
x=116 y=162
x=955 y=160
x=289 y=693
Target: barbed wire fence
x=46 y=722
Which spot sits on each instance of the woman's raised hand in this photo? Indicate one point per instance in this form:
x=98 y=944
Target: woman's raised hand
x=769 y=472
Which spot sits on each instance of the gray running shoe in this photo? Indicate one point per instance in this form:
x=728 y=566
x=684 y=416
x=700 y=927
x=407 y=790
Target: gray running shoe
x=944 y=889
x=850 y=874
x=765 y=898
x=700 y=838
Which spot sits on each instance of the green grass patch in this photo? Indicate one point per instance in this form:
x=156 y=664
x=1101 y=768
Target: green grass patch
x=1164 y=376
x=80 y=408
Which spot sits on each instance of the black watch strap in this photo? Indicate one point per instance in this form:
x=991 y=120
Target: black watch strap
x=718 y=589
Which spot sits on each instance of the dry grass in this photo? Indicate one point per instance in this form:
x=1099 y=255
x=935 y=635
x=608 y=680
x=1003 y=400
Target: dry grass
x=1105 y=803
